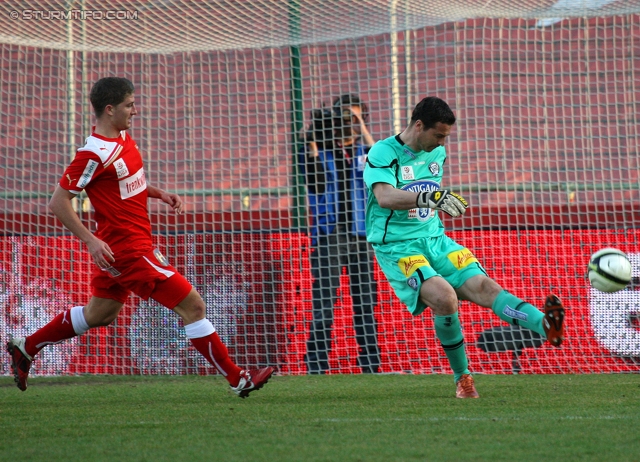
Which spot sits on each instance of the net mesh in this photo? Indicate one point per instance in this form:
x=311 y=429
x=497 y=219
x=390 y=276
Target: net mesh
x=545 y=148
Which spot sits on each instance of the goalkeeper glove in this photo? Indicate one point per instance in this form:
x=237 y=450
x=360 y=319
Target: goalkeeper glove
x=449 y=202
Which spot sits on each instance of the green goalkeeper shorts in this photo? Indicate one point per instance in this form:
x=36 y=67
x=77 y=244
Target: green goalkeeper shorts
x=408 y=264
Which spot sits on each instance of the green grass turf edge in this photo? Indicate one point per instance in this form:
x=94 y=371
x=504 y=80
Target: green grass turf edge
x=322 y=418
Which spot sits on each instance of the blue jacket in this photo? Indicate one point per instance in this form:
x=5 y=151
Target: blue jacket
x=324 y=205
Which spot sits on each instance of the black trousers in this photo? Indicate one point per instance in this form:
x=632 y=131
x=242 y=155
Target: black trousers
x=328 y=257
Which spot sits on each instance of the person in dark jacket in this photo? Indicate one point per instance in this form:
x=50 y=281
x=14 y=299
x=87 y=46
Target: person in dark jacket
x=333 y=162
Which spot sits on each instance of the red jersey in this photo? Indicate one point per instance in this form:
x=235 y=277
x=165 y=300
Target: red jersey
x=110 y=170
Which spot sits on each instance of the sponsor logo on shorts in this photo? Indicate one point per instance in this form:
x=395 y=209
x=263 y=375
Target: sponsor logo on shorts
x=161 y=258
x=409 y=265
x=515 y=314
x=112 y=271
x=413 y=282
x=462 y=258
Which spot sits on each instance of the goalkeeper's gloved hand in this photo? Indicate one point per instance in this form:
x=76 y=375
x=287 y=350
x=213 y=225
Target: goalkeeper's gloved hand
x=449 y=202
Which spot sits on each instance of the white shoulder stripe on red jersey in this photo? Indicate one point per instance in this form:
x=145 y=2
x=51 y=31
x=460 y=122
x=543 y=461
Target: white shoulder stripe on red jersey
x=105 y=150
x=114 y=156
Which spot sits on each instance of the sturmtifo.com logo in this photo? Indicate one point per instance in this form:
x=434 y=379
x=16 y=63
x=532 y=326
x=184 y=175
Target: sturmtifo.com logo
x=67 y=15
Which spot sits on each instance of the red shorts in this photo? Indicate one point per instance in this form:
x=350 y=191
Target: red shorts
x=148 y=276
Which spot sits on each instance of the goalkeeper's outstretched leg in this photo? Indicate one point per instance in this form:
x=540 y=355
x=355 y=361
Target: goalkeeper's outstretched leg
x=548 y=322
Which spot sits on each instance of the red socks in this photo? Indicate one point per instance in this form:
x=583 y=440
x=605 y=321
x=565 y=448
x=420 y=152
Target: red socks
x=214 y=351
x=207 y=341
x=56 y=331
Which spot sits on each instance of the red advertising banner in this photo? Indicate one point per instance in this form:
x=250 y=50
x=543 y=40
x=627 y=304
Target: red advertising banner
x=257 y=287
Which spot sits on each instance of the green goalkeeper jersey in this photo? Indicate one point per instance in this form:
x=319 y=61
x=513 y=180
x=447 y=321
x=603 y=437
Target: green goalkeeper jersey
x=391 y=161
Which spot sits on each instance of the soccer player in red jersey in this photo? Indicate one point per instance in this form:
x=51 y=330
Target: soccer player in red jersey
x=109 y=168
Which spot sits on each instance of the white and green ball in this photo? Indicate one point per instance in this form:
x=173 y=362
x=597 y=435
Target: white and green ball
x=609 y=270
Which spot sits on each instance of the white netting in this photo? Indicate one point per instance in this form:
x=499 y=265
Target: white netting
x=166 y=26
x=545 y=148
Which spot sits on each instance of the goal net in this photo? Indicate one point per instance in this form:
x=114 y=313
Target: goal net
x=545 y=148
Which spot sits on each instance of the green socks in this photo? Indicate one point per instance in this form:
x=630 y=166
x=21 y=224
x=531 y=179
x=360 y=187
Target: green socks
x=449 y=332
x=508 y=307
x=511 y=309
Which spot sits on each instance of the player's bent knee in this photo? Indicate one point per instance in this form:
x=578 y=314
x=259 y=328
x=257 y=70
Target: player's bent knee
x=442 y=304
x=107 y=320
x=439 y=296
x=444 y=307
x=101 y=312
x=191 y=310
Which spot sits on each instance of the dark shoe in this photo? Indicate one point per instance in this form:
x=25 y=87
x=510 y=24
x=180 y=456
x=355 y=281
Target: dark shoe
x=20 y=361
x=553 y=320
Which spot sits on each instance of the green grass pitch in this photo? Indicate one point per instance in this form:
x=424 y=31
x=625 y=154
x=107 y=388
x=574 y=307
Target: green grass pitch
x=322 y=418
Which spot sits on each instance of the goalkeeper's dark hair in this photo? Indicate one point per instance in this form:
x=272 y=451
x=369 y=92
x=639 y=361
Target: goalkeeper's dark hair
x=109 y=91
x=321 y=130
x=432 y=110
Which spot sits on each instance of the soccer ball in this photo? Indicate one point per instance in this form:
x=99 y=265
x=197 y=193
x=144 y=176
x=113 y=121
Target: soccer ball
x=609 y=270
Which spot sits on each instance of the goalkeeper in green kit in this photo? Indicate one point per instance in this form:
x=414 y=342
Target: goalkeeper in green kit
x=424 y=266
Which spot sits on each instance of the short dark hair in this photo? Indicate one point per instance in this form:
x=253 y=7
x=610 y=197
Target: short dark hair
x=351 y=99
x=432 y=110
x=109 y=91
x=321 y=130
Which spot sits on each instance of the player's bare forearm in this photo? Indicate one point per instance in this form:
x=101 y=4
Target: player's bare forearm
x=392 y=198
x=60 y=205
x=168 y=198
x=154 y=192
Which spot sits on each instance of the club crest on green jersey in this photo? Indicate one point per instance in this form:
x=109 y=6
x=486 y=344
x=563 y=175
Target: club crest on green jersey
x=434 y=168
